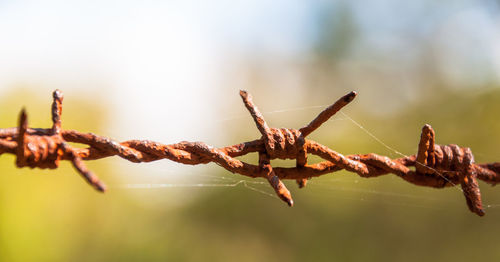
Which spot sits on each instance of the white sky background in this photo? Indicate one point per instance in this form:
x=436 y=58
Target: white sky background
x=152 y=58
x=155 y=58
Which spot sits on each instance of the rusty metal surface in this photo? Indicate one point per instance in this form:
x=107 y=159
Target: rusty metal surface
x=434 y=165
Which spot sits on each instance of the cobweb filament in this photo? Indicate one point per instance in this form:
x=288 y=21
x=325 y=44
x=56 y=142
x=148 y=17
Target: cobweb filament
x=272 y=112
x=337 y=187
x=489 y=206
x=373 y=136
x=397 y=152
x=378 y=140
x=232 y=182
x=390 y=202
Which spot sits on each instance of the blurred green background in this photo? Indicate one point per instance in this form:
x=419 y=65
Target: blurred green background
x=412 y=63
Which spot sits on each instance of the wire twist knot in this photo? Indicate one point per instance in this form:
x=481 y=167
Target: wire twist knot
x=286 y=144
x=41 y=150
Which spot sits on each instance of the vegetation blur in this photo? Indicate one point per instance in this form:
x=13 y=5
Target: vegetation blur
x=412 y=64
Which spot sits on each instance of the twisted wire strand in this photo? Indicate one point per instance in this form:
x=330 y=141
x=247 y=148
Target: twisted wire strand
x=434 y=165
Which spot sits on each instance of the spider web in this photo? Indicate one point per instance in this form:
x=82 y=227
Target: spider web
x=340 y=184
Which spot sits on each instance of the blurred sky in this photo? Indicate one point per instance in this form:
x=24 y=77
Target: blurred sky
x=147 y=57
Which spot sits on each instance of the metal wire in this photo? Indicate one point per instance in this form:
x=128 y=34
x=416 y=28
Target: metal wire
x=435 y=165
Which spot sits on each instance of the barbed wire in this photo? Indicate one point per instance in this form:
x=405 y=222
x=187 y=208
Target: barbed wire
x=434 y=165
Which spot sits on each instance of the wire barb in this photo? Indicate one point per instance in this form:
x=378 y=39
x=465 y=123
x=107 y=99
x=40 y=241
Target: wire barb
x=434 y=165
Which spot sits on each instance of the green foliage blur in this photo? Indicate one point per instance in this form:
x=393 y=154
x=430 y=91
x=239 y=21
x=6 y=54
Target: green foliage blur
x=54 y=216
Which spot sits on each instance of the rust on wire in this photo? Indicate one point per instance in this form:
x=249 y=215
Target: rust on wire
x=433 y=166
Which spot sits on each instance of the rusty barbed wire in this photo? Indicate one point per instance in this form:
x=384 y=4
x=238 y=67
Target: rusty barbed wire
x=434 y=165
